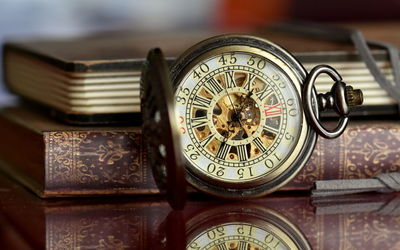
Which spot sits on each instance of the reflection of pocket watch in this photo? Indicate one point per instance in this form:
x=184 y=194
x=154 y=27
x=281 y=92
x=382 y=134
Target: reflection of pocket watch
x=242 y=227
x=245 y=109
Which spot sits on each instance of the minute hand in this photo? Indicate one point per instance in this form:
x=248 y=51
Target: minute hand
x=233 y=106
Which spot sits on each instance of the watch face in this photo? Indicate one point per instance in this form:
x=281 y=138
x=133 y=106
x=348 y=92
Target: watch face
x=245 y=226
x=239 y=112
x=238 y=235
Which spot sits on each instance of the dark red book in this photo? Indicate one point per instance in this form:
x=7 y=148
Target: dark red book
x=57 y=160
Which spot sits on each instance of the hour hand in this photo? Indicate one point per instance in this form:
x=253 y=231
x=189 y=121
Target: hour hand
x=250 y=93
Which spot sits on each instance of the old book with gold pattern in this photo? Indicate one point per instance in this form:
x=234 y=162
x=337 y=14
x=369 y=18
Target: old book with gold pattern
x=96 y=79
x=56 y=160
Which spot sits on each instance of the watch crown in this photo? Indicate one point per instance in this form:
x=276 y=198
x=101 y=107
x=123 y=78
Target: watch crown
x=354 y=97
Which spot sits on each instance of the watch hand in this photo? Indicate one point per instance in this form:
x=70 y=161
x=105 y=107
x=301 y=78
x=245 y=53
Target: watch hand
x=236 y=114
x=234 y=110
x=230 y=100
x=247 y=96
x=244 y=103
x=250 y=93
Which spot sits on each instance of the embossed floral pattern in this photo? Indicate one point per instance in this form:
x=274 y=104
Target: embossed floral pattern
x=364 y=150
x=90 y=161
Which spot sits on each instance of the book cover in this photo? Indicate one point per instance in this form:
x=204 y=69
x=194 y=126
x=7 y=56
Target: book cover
x=56 y=160
x=95 y=79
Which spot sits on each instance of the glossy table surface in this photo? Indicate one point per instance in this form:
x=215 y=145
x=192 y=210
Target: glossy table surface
x=282 y=221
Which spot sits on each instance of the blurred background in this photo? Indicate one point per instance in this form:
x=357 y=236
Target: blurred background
x=38 y=18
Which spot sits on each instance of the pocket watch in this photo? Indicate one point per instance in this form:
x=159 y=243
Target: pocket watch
x=246 y=113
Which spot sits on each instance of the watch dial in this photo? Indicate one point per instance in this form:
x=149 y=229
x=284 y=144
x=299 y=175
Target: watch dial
x=243 y=226
x=239 y=235
x=239 y=115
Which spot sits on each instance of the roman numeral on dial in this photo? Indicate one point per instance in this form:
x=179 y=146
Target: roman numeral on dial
x=271 y=129
x=199 y=121
x=257 y=141
x=222 y=246
x=273 y=110
x=201 y=102
x=249 y=79
x=243 y=245
x=212 y=86
x=207 y=140
x=264 y=93
x=223 y=150
x=230 y=79
x=242 y=152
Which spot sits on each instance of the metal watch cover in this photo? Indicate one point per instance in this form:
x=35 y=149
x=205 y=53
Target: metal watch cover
x=160 y=132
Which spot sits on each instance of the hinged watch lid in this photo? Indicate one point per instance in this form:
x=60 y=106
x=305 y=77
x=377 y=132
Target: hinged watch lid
x=161 y=139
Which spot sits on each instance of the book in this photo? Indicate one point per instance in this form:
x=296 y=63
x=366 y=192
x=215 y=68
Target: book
x=366 y=221
x=93 y=79
x=96 y=79
x=56 y=160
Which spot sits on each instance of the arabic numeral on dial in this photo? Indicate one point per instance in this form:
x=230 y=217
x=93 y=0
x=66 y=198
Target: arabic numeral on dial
x=185 y=91
x=180 y=100
x=232 y=59
x=189 y=147
x=227 y=59
x=268 y=238
x=289 y=137
x=222 y=59
x=220 y=171
x=260 y=63
x=269 y=163
x=276 y=245
x=242 y=171
x=193 y=154
x=217 y=232
x=242 y=230
x=195 y=246
x=213 y=169
x=277 y=78
x=203 y=68
x=251 y=61
x=292 y=110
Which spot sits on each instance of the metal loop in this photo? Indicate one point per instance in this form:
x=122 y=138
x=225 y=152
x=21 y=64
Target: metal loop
x=308 y=102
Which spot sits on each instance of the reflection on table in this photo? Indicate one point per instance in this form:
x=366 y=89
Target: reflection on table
x=281 y=221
